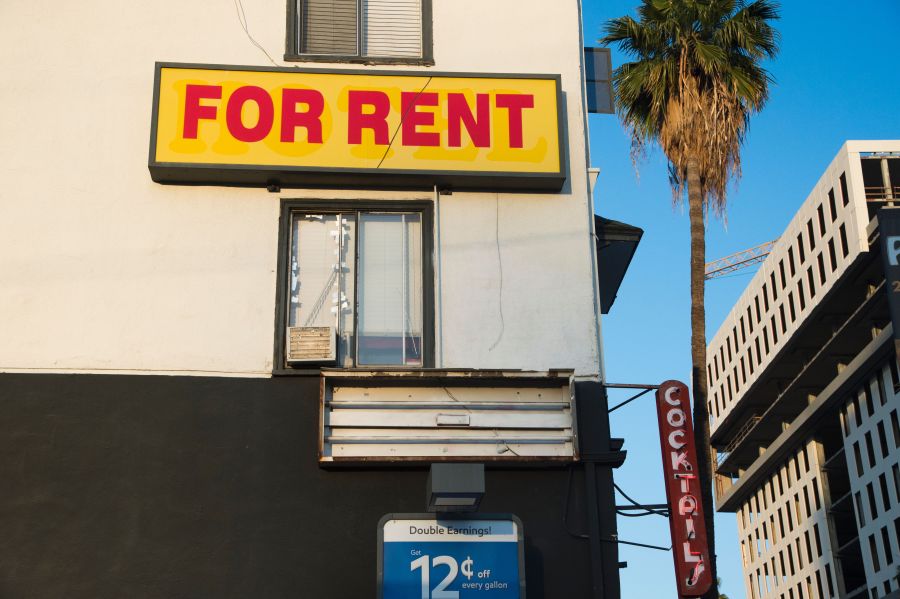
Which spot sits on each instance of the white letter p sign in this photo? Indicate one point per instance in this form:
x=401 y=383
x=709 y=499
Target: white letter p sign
x=893 y=249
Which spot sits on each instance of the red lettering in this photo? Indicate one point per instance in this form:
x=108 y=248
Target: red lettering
x=309 y=120
x=515 y=104
x=194 y=111
x=684 y=480
x=375 y=120
x=694 y=576
x=459 y=113
x=242 y=95
x=690 y=556
x=412 y=119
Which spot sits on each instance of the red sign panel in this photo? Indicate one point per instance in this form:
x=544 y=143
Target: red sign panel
x=676 y=436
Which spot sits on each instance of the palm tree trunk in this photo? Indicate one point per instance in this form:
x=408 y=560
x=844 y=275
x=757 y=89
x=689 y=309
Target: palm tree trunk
x=698 y=360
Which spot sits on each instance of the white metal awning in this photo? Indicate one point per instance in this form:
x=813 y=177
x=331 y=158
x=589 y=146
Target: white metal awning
x=455 y=415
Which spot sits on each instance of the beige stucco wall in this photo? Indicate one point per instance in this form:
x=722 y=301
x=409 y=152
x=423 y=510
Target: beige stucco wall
x=103 y=270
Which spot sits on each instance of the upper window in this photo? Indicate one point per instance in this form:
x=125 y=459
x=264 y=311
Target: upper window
x=360 y=30
x=356 y=292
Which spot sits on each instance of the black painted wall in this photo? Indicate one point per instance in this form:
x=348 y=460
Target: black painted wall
x=181 y=487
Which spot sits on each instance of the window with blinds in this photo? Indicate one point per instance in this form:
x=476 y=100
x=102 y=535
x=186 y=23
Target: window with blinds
x=328 y=26
x=392 y=28
x=360 y=275
x=389 y=324
x=388 y=29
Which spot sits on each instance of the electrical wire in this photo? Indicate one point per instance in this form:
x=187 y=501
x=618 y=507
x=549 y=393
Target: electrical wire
x=506 y=448
x=627 y=515
x=584 y=537
x=636 y=504
x=503 y=445
x=635 y=544
x=500 y=268
x=242 y=19
x=402 y=119
x=628 y=401
x=462 y=404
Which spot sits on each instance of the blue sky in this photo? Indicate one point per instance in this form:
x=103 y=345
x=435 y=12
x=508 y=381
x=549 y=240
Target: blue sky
x=836 y=79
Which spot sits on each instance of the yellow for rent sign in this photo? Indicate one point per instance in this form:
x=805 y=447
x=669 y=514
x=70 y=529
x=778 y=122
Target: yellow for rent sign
x=249 y=125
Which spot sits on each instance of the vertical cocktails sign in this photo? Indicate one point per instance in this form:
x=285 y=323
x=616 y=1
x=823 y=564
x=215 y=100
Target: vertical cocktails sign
x=686 y=517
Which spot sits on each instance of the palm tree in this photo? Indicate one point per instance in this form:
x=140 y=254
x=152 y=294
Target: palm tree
x=695 y=80
x=719 y=584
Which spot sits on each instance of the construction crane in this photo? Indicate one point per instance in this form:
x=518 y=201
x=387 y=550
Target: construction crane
x=739 y=260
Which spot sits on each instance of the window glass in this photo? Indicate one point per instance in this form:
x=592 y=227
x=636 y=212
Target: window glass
x=845 y=198
x=322 y=281
x=870 y=449
x=390 y=289
x=882 y=438
x=360 y=28
x=885 y=496
x=895 y=424
x=361 y=274
x=873 y=553
x=873 y=507
x=845 y=248
x=896 y=470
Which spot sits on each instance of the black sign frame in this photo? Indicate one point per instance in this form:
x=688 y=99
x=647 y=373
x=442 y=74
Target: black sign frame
x=276 y=177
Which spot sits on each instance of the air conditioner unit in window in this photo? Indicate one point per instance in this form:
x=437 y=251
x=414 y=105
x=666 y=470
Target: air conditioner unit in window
x=307 y=345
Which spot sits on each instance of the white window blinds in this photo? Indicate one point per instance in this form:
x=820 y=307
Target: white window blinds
x=328 y=26
x=390 y=289
x=392 y=28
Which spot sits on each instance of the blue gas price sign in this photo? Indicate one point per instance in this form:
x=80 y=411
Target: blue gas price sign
x=422 y=557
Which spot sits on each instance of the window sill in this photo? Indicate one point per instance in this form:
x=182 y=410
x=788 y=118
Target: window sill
x=296 y=371
x=317 y=370
x=360 y=60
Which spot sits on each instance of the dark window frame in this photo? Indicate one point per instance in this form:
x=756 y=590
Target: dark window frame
x=292 y=42
x=289 y=207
